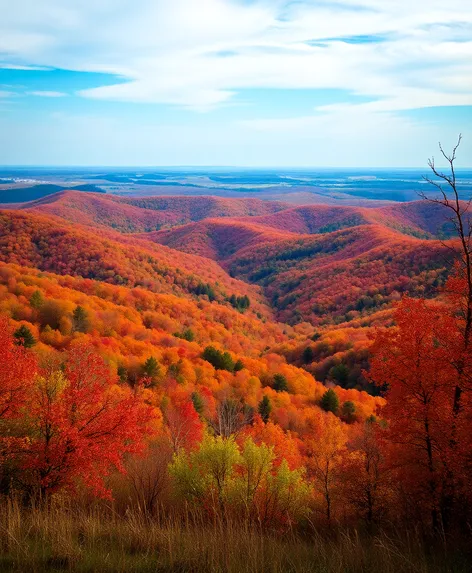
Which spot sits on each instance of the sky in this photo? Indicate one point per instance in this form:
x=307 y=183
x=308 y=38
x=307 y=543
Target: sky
x=270 y=83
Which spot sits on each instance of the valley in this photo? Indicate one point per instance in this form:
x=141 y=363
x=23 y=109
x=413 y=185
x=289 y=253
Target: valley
x=329 y=271
x=174 y=337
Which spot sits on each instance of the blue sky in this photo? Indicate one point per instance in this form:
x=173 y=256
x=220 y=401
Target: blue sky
x=372 y=83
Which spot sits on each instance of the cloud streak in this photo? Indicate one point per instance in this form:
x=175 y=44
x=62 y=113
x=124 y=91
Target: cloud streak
x=386 y=57
x=199 y=54
x=46 y=93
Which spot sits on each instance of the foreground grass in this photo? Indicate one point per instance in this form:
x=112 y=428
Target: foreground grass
x=67 y=538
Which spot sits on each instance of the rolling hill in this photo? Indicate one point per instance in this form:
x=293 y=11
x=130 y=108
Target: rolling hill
x=320 y=264
x=50 y=244
x=135 y=215
x=339 y=276
x=325 y=273
x=19 y=195
x=418 y=218
x=218 y=239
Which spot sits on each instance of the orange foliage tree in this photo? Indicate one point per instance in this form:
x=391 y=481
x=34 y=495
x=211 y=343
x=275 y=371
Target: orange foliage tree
x=325 y=446
x=367 y=486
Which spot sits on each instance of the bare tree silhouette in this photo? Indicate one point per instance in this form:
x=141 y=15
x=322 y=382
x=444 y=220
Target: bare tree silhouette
x=447 y=185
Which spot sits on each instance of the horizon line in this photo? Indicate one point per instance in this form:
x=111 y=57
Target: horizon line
x=202 y=167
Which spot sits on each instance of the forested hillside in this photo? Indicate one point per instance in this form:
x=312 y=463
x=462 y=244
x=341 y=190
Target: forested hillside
x=133 y=215
x=234 y=361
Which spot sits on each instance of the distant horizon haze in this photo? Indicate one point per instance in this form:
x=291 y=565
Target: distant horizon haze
x=205 y=168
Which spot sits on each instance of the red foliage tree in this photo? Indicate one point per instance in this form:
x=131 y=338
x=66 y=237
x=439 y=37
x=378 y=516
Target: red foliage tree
x=17 y=370
x=82 y=424
x=185 y=429
x=412 y=360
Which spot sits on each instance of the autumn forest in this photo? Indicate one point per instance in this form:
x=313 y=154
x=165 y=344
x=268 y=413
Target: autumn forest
x=221 y=384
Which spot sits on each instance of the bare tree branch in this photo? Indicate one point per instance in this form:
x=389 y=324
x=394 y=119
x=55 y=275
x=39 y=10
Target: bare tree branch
x=449 y=198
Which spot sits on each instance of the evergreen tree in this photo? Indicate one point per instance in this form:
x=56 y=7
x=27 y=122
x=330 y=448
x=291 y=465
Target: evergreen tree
x=241 y=303
x=308 y=355
x=280 y=383
x=348 y=411
x=205 y=289
x=188 y=335
x=329 y=401
x=175 y=371
x=80 y=319
x=122 y=373
x=151 y=369
x=211 y=293
x=265 y=408
x=238 y=365
x=36 y=300
x=339 y=373
x=219 y=360
x=24 y=337
x=198 y=403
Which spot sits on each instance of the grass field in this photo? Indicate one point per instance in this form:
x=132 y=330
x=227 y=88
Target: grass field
x=68 y=537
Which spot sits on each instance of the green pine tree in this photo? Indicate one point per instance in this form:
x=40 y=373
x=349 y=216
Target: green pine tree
x=348 y=411
x=80 y=319
x=329 y=401
x=339 y=373
x=280 y=383
x=265 y=408
x=24 y=337
x=308 y=355
x=198 y=403
x=238 y=365
x=187 y=334
x=219 y=360
x=151 y=369
x=122 y=373
x=36 y=300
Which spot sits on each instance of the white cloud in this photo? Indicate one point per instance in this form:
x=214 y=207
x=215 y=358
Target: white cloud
x=170 y=52
x=199 y=54
x=47 y=93
x=4 y=66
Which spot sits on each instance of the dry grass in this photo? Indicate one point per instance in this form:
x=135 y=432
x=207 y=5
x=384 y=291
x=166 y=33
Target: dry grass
x=67 y=537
